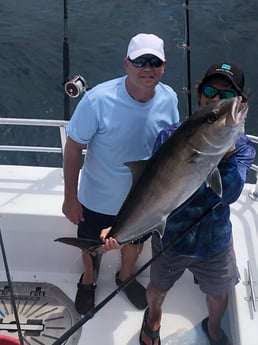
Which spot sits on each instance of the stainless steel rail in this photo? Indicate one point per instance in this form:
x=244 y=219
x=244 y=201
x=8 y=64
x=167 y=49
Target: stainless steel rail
x=62 y=128
x=252 y=283
x=36 y=122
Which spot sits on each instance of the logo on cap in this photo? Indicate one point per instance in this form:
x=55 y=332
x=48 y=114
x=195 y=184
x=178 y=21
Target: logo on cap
x=225 y=66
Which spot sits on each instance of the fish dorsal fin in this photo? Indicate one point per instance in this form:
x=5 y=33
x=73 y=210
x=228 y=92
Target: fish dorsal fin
x=214 y=182
x=136 y=168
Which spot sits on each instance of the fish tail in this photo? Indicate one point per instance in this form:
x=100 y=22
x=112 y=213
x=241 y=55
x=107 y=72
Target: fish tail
x=85 y=244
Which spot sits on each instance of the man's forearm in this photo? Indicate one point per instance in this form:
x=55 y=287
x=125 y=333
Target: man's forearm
x=71 y=166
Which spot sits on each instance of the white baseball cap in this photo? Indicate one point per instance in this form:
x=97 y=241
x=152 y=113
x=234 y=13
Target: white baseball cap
x=142 y=44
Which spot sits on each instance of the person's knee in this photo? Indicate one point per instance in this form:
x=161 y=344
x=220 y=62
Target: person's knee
x=218 y=298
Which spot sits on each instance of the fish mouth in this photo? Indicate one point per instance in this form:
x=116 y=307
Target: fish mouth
x=234 y=117
x=238 y=112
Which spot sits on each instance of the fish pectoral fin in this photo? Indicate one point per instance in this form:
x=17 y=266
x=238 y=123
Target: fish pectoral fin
x=85 y=244
x=136 y=168
x=161 y=227
x=214 y=182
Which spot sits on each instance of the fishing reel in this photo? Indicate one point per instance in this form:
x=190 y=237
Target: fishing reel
x=76 y=86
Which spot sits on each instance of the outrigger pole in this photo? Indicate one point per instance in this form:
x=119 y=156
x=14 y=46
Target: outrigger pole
x=187 y=47
x=10 y=285
x=66 y=63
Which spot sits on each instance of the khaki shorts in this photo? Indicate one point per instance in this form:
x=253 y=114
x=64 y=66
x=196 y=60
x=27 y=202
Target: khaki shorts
x=216 y=275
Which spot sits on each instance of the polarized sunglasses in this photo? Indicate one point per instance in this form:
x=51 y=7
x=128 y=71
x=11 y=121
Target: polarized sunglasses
x=142 y=61
x=211 y=92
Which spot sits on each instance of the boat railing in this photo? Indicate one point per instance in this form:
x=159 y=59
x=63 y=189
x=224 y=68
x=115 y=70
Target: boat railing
x=61 y=124
x=254 y=193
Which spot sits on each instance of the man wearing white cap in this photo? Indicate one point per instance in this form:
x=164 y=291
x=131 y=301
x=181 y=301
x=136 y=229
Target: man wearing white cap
x=119 y=121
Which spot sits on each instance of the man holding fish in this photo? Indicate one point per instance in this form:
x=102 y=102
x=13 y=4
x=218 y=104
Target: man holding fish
x=198 y=232
x=207 y=249
x=118 y=121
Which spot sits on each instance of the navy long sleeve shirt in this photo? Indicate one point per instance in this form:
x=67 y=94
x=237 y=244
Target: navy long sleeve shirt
x=211 y=234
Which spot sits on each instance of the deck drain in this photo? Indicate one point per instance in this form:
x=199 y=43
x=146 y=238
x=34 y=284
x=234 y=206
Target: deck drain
x=45 y=313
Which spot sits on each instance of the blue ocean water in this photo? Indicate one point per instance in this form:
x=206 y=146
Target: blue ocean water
x=31 y=61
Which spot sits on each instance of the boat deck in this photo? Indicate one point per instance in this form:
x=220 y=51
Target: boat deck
x=44 y=273
x=31 y=219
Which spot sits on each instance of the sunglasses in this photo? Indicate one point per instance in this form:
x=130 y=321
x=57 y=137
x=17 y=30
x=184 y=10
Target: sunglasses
x=211 y=92
x=142 y=61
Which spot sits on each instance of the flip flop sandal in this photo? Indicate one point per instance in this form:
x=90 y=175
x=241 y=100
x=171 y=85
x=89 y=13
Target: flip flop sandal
x=153 y=335
x=222 y=341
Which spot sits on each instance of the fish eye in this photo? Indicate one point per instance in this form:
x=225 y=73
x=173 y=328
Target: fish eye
x=212 y=117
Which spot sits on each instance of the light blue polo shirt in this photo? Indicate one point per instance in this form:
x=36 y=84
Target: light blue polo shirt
x=117 y=129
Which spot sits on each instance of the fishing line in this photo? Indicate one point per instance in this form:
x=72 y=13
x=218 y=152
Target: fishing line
x=89 y=315
x=11 y=290
x=66 y=63
x=187 y=47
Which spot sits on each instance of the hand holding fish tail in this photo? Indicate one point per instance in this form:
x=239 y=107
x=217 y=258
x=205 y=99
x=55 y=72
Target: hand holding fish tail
x=104 y=233
x=109 y=243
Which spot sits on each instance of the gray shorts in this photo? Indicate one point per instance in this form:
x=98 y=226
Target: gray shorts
x=215 y=275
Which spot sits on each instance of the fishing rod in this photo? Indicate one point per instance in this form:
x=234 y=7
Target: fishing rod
x=66 y=63
x=89 y=315
x=77 y=85
x=188 y=89
x=11 y=290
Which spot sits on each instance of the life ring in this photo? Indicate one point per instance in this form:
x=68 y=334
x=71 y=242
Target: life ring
x=6 y=340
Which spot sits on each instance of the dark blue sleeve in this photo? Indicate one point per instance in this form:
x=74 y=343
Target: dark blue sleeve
x=164 y=135
x=245 y=155
x=232 y=181
x=234 y=170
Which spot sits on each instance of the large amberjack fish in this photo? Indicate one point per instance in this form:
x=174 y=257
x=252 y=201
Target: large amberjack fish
x=178 y=168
